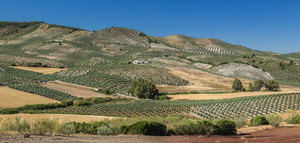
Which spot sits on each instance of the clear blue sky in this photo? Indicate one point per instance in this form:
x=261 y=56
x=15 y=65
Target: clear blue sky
x=258 y=24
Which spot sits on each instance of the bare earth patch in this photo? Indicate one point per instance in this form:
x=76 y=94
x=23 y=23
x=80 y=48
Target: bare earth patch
x=15 y=98
x=223 y=95
x=61 y=118
x=200 y=81
x=73 y=89
x=43 y=70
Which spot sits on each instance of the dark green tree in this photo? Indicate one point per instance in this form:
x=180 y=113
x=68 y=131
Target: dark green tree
x=258 y=84
x=143 y=89
x=272 y=85
x=237 y=85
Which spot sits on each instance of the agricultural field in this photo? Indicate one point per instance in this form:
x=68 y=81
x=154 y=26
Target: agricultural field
x=41 y=69
x=73 y=89
x=199 y=81
x=245 y=107
x=15 y=98
x=209 y=96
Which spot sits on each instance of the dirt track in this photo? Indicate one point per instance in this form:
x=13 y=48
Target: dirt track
x=280 y=135
x=73 y=89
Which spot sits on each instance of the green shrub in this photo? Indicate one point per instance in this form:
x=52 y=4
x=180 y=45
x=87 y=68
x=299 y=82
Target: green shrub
x=9 y=111
x=43 y=126
x=82 y=102
x=108 y=130
x=88 y=128
x=66 y=129
x=67 y=103
x=257 y=85
x=224 y=127
x=238 y=120
x=203 y=127
x=294 y=119
x=161 y=97
x=146 y=128
x=186 y=129
x=259 y=120
x=274 y=120
x=272 y=85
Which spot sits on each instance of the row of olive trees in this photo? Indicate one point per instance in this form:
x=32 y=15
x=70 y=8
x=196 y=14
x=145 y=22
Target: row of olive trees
x=257 y=85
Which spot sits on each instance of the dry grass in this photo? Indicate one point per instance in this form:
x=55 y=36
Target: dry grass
x=14 y=98
x=200 y=81
x=61 y=118
x=223 y=95
x=40 y=69
x=73 y=89
x=284 y=116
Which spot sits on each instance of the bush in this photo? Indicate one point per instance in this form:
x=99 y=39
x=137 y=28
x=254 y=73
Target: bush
x=43 y=126
x=274 y=120
x=143 y=89
x=257 y=85
x=239 y=122
x=107 y=130
x=146 y=128
x=237 y=85
x=294 y=119
x=272 y=85
x=9 y=111
x=162 y=97
x=224 y=127
x=203 y=127
x=66 y=129
x=82 y=102
x=259 y=120
x=87 y=128
x=67 y=103
x=186 y=129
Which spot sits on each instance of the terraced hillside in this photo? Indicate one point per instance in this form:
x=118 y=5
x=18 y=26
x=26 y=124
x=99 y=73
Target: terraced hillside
x=105 y=58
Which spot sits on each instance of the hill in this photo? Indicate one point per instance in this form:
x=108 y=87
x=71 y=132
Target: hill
x=114 y=57
x=295 y=56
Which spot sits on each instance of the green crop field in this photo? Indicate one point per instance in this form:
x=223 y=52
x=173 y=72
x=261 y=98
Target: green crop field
x=243 y=107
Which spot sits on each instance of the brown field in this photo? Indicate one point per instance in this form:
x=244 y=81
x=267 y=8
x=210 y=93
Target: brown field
x=43 y=70
x=14 y=98
x=200 y=81
x=61 y=118
x=73 y=89
x=223 y=95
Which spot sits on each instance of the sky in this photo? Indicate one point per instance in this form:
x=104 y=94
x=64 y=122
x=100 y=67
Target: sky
x=266 y=25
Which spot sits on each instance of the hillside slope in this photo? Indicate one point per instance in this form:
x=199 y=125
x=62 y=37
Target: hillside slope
x=105 y=58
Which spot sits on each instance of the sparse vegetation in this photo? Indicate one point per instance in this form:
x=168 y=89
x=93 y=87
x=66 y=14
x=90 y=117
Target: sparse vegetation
x=274 y=120
x=293 y=119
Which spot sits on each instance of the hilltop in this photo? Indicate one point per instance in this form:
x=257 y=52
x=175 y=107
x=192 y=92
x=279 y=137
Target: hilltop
x=109 y=58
